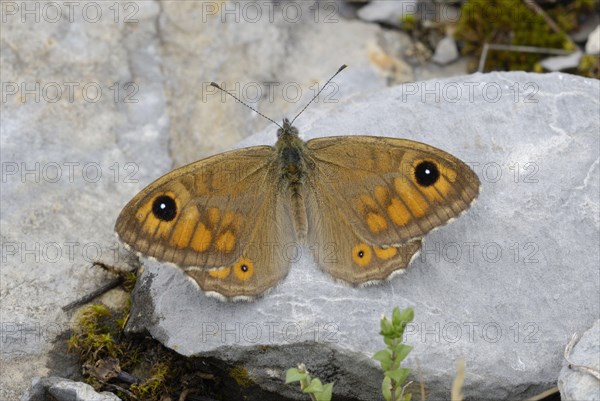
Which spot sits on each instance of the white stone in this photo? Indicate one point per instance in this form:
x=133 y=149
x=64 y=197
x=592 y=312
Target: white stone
x=67 y=390
x=64 y=390
x=592 y=45
x=445 y=51
x=390 y=12
x=559 y=63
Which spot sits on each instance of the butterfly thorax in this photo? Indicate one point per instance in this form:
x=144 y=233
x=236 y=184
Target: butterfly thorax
x=291 y=152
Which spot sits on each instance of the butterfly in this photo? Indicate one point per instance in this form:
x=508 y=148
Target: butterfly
x=362 y=204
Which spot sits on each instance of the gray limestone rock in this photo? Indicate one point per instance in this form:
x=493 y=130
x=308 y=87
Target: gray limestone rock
x=502 y=286
x=69 y=164
x=64 y=390
x=445 y=51
x=102 y=97
x=592 y=46
x=390 y=12
x=559 y=63
x=275 y=63
x=71 y=158
x=67 y=390
x=577 y=384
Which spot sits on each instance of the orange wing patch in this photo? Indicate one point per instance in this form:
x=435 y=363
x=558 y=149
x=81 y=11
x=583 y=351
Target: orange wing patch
x=243 y=269
x=202 y=238
x=385 y=253
x=376 y=222
x=362 y=254
x=184 y=229
x=225 y=242
x=409 y=194
x=398 y=212
x=220 y=273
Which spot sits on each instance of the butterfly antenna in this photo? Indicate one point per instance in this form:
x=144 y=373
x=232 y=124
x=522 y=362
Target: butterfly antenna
x=244 y=103
x=318 y=93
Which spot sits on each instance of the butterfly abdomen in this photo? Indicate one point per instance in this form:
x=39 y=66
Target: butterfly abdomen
x=293 y=174
x=292 y=164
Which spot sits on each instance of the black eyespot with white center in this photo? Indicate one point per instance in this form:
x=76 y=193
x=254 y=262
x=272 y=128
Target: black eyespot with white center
x=164 y=208
x=426 y=173
x=244 y=268
x=361 y=254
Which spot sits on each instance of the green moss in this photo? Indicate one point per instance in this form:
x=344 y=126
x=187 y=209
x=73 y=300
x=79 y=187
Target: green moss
x=156 y=383
x=589 y=66
x=241 y=376
x=408 y=22
x=95 y=333
x=511 y=22
x=98 y=335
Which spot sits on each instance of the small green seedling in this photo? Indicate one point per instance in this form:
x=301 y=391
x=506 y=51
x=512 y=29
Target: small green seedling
x=311 y=386
x=390 y=358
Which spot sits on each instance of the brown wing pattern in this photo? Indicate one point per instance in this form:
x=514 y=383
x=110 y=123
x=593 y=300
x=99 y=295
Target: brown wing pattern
x=378 y=196
x=211 y=200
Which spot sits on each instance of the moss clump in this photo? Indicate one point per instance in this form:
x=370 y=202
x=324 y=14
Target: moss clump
x=241 y=376
x=156 y=383
x=589 y=66
x=134 y=367
x=157 y=372
x=94 y=335
x=511 y=22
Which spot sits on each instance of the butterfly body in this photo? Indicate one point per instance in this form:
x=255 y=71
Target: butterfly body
x=235 y=222
x=295 y=166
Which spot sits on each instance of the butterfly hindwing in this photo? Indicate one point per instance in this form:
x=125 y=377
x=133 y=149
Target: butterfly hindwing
x=261 y=263
x=341 y=252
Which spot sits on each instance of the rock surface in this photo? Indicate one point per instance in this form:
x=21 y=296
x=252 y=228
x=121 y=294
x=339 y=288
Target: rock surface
x=58 y=213
x=576 y=384
x=65 y=390
x=592 y=46
x=114 y=95
x=445 y=51
x=502 y=286
x=68 y=163
x=389 y=12
x=277 y=76
x=559 y=63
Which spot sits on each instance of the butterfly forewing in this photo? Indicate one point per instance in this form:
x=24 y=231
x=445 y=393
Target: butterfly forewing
x=392 y=190
x=198 y=215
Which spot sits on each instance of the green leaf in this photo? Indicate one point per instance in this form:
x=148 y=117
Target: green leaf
x=407 y=315
x=396 y=317
x=326 y=394
x=386 y=388
x=315 y=386
x=386 y=326
x=293 y=375
x=384 y=357
x=397 y=332
x=398 y=375
x=402 y=352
